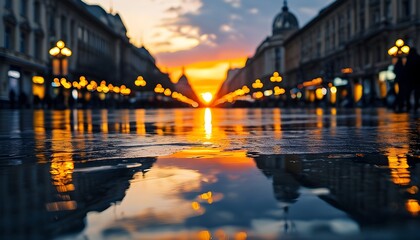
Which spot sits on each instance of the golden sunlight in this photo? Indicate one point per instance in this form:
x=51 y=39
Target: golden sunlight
x=204 y=76
x=207 y=97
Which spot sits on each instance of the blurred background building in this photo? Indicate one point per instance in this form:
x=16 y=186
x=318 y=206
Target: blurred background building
x=100 y=52
x=339 y=58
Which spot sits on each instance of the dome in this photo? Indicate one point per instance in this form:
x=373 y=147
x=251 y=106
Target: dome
x=285 y=21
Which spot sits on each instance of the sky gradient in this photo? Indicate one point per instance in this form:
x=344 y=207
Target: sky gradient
x=204 y=36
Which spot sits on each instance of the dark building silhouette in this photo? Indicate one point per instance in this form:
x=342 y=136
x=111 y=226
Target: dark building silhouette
x=368 y=188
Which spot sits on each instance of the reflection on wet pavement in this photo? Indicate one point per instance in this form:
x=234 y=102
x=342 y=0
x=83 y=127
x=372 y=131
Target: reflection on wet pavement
x=209 y=174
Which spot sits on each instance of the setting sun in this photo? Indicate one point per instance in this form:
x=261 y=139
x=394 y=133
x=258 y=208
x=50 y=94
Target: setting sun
x=207 y=97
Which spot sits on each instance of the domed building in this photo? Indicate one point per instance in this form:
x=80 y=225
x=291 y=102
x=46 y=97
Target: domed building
x=285 y=21
x=269 y=56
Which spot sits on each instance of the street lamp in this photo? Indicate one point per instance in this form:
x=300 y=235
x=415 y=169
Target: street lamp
x=140 y=82
x=276 y=77
x=60 y=53
x=399 y=49
x=258 y=84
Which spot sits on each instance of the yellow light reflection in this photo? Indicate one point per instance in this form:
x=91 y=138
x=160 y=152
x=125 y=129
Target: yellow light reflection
x=61 y=206
x=400 y=174
x=208 y=126
x=277 y=123
x=140 y=122
x=358 y=92
x=241 y=236
x=204 y=235
x=413 y=207
x=40 y=136
x=104 y=121
x=62 y=164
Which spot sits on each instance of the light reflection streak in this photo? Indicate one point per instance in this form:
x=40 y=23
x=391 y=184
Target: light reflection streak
x=208 y=126
x=40 y=136
x=104 y=121
x=62 y=164
x=140 y=122
x=277 y=123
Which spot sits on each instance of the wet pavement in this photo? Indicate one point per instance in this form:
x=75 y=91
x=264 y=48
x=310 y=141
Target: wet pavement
x=209 y=174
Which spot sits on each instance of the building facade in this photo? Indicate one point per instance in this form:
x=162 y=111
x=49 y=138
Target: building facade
x=101 y=50
x=340 y=57
x=268 y=58
x=346 y=46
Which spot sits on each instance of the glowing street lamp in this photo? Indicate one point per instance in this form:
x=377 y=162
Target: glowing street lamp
x=399 y=49
x=258 y=84
x=276 y=77
x=140 y=82
x=60 y=53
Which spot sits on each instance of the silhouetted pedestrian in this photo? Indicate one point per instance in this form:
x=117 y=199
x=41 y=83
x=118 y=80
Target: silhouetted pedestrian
x=412 y=68
x=403 y=86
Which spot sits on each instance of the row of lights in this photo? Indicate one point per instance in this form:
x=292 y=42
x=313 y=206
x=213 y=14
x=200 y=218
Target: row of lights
x=91 y=86
x=159 y=89
x=257 y=84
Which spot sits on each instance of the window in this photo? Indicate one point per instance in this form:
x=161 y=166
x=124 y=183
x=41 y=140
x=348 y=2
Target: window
x=277 y=59
x=378 y=53
x=406 y=9
x=38 y=47
x=327 y=36
x=63 y=28
x=375 y=13
x=80 y=33
x=37 y=11
x=51 y=23
x=349 y=21
x=341 y=29
x=8 y=38
x=23 y=7
x=85 y=36
x=388 y=10
x=319 y=43
x=23 y=42
x=362 y=16
x=8 y=4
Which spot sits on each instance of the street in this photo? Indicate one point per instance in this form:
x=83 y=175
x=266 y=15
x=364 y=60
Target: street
x=209 y=174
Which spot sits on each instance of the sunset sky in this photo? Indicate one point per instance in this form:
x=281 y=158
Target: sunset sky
x=204 y=36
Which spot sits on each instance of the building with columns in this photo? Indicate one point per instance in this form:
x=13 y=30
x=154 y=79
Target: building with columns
x=98 y=40
x=340 y=57
x=346 y=46
x=269 y=56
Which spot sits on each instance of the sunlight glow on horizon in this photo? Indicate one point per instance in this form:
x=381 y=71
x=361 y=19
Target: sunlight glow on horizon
x=207 y=97
x=205 y=76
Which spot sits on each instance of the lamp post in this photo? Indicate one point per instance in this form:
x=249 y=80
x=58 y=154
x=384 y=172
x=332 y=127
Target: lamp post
x=59 y=54
x=140 y=82
x=398 y=50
